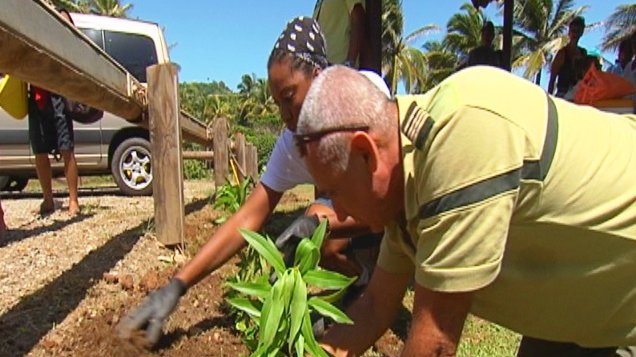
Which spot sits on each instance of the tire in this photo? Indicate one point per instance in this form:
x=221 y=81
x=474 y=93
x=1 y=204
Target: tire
x=131 y=168
x=13 y=184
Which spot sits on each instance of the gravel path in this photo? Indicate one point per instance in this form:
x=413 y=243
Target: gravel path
x=50 y=265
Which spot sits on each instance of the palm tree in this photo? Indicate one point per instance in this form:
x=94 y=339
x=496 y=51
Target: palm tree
x=401 y=61
x=619 y=26
x=255 y=98
x=441 y=63
x=542 y=25
x=111 y=8
x=72 y=5
x=464 y=31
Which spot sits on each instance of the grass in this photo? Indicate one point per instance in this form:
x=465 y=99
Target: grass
x=484 y=339
x=480 y=338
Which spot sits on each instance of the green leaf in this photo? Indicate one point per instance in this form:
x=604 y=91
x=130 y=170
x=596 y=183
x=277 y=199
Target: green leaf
x=271 y=314
x=246 y=305
x=260 y=290
x=325 y=279
x=326 y=309
x=307 y=256
x=311 y=345
x=298 y=306
x=287 y=289
x=319 y=234
x=299 y=346
x=266 y=248
x=336 y=296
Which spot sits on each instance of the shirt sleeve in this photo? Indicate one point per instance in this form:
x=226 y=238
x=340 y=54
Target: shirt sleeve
x=393 y=258
x=466 y=186
x=285 y=168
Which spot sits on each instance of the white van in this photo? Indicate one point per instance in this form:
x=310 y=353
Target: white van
x=110 y=145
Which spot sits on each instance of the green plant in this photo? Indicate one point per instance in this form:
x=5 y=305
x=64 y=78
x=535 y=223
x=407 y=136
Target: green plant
x=279 y=313
x=195 y=170
x=230 y=198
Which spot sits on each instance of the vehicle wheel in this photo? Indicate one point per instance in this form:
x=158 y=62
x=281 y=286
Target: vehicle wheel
x=131 y=168
x=13 y=184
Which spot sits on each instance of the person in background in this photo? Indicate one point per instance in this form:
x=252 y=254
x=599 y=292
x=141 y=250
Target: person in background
x=51 y=132
x=625 y=54
x=297 y=58
x=496 y=200
x=343 y=24
x=485 y=54
x=629 y=71
x=3 y=224
x=563 y=71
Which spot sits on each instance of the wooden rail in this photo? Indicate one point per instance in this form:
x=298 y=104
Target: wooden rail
x=38 y=46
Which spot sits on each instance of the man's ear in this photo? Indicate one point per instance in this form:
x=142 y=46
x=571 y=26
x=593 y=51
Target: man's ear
x=315 y=72
x=362 y=144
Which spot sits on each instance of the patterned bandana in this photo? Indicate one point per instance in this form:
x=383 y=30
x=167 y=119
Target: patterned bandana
x=303 y=39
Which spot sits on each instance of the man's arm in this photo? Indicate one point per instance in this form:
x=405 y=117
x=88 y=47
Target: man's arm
x=373 y=313
x=559 y=59
x=437 y=323
x=227 y=241
x=357 y=35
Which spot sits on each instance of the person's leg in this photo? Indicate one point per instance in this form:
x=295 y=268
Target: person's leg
x=43 y=169
x=70 y=171
x=3 y=224
x=66 y=146
x=534 y=347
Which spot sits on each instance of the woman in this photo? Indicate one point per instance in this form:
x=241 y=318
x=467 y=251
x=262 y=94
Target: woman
x=297 y=58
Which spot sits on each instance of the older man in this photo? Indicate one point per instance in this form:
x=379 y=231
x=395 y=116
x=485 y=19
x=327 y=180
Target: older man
x=498 y=199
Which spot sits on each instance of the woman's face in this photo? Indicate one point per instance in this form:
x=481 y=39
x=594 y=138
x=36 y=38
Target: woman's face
x=288 y=88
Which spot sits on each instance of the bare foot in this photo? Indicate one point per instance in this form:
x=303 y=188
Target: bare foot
x=47 y=207
x=73 y=208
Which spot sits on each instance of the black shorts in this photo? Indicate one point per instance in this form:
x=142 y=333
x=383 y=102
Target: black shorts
x=50 y=130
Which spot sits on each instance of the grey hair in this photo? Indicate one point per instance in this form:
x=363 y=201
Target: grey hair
x=340 y=97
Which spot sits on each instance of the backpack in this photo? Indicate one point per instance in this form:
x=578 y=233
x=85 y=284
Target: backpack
x=81 y=113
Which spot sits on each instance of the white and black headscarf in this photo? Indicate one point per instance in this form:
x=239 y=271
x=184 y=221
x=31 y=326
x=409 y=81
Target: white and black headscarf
x=303 y=39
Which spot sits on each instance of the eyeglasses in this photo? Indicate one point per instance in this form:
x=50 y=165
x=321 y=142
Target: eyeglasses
x=303 y=139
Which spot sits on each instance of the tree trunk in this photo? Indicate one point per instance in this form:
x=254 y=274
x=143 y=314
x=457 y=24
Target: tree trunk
x=537 y=79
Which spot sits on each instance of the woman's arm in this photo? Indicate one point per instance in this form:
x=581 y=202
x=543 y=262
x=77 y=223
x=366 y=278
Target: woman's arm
x=227 y=241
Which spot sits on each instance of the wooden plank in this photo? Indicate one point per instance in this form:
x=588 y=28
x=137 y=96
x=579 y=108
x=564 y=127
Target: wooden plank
x=167 y=165
x=194 y=130
x=40 y=47
x=198 y=155
x=221 y=148
x=371 y=55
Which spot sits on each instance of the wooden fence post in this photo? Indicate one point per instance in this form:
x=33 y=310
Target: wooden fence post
x=221 y=156
x=240 y=154
x=167 y=165
x=251 y=162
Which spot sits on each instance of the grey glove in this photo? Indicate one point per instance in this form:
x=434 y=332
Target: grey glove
x=152 y=312
x=301 y=227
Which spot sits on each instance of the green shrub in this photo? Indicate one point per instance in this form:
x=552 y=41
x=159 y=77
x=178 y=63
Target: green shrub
x=195 y=170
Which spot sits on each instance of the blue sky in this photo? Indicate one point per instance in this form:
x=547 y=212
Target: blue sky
x=222 y=40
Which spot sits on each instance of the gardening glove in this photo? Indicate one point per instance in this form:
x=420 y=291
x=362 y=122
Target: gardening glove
x=152 y=312
x=301 y=227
